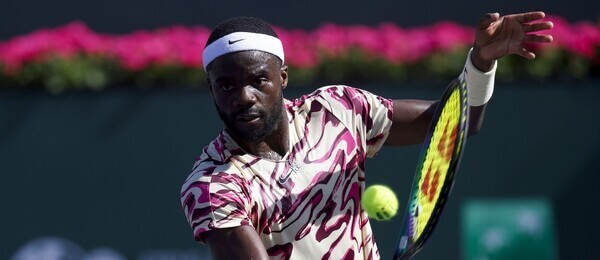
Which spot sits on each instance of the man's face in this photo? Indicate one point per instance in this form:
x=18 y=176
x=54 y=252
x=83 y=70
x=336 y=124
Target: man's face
x=247 y=88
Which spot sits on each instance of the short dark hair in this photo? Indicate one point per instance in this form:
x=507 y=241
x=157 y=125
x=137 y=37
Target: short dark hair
x=240 y=24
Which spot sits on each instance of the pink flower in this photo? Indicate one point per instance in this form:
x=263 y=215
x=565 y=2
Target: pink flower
x=366 y=39
x=25 y=48
x=331 y=39
x=300 y=49
x=394 y=40
x=187 y=45
x=183 y=46
x=581 y=39
x=448 y=36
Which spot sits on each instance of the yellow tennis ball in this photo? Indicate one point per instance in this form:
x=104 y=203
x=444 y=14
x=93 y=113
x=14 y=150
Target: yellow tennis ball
x=380 y=202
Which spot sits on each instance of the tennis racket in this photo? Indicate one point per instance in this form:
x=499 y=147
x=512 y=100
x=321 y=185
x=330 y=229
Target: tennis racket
x=440 y=157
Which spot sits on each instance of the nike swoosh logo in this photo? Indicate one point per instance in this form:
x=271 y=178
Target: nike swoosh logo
x=283 y=179
x=232 y=42
x=294 y=168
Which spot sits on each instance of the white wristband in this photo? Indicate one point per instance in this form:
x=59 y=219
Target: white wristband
x=480 y=85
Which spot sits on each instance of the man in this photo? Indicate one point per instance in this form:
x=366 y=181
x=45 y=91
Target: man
x=284 y=178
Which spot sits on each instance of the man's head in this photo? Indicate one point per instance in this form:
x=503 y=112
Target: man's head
x=243 y=59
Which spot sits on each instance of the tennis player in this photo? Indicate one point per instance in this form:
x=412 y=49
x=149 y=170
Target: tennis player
x=284 y=178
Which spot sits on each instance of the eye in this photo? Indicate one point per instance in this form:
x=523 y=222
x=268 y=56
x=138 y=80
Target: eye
x=225 y=87
x=260 y=81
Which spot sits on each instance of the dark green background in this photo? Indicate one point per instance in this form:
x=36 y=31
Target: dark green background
x=105 y=169
x=123 y=16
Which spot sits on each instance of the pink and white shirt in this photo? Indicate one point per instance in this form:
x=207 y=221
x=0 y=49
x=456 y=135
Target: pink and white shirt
x=306 y=205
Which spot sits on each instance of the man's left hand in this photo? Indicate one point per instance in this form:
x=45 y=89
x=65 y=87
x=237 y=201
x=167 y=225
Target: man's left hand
x=498 y=36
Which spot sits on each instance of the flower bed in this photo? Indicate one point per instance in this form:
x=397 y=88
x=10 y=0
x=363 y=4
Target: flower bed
x=74 y=56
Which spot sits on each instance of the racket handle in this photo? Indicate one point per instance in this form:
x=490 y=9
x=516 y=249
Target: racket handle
x=401 y=251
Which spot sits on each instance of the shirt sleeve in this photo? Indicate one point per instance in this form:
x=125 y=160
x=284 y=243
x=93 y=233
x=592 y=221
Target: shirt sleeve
x=214 y=200
x=369 y=115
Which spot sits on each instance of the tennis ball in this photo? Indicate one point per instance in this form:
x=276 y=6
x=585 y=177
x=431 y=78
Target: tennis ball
x=380 y=202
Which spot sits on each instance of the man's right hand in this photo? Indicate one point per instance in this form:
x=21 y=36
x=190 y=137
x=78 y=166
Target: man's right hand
x=236 y=243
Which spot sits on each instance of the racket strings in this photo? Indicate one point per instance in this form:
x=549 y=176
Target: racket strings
x=436 y=169
x=436 y=163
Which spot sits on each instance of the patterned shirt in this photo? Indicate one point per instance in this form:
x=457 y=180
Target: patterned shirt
x=306 y=205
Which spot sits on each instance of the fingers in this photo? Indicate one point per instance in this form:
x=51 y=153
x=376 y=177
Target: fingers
x=488 y=19
x=528 y=17
x=538 y=38
x=526 y=54
x=538 y=26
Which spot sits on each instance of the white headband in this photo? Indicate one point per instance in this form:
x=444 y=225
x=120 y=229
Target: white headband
x=242 y=41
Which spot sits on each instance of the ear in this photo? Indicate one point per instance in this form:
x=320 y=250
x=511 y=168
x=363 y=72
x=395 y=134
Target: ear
x=208 y=83
x=284 y=76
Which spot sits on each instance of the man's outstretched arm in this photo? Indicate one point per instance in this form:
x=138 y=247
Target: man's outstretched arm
x=495 y=38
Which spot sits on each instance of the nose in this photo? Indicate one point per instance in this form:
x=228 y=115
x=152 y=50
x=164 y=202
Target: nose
x=245 y=98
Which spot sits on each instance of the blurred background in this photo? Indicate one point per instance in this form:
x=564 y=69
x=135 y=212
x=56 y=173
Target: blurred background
x=103 y=110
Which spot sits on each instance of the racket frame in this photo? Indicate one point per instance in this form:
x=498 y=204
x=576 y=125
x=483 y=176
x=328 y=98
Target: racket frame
x=405 y=248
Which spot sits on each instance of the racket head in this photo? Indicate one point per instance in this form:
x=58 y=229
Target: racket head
x=437 y=166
